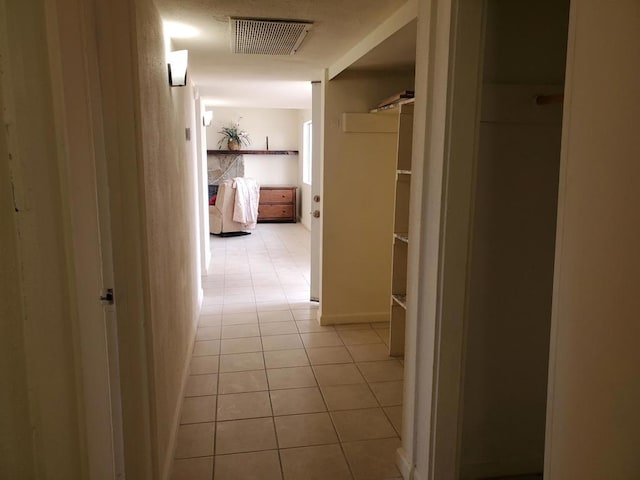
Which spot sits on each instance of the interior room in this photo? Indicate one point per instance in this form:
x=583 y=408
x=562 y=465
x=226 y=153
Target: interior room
x=276 y=146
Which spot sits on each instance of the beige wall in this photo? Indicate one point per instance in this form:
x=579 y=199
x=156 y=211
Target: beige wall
x=169 y=175
x=16 y=448
x=512 y=250
x=594 y=388
x=281 y=125
x=40 y=427
x=16 y=454
x=358 y=202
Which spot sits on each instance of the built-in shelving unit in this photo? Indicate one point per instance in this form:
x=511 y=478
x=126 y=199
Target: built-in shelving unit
x=401 y=228
x=253 y=152
x=394 y=123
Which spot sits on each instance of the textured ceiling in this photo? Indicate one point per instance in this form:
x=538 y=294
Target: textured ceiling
x=337 y=26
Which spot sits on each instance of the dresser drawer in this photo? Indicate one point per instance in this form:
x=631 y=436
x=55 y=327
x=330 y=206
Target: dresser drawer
x=277 y=204
x=276 y=195
x=275 y=212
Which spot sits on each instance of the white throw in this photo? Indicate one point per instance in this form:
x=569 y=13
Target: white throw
x=245 y=208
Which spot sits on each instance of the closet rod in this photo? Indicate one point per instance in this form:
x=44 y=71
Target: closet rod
x=549 y=99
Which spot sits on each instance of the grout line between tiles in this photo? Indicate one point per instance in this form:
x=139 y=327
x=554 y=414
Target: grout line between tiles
x=272 y=248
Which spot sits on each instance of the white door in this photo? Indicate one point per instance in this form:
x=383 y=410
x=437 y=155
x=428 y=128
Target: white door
x=316 y=188
x=86 y=193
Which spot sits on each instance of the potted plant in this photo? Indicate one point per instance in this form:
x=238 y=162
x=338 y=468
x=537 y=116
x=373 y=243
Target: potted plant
x=234 y=137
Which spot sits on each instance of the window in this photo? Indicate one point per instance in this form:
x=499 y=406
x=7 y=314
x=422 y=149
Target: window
x=306 y=152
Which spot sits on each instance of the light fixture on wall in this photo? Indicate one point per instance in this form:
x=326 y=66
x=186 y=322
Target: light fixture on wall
x=178 y=68
x=207 y=118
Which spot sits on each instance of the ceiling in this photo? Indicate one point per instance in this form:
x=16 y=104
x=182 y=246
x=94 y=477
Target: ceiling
x=398 y=52
x=224 y=78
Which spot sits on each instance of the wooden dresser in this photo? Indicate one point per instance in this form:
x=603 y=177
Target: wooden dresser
x=277 y=204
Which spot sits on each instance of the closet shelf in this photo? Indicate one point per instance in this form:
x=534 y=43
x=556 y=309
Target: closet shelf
x=400 y=260
x=400 y=300
x=403 y=237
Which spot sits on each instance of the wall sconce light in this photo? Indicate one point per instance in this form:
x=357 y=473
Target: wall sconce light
x=207 y=117
x=178 y=68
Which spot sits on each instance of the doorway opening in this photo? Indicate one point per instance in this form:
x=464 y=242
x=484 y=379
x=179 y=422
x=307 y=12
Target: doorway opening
x=273 y=156
x=512 y=241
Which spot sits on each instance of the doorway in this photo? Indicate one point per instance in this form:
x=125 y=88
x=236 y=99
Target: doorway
x=273 y=158
x=512 y=240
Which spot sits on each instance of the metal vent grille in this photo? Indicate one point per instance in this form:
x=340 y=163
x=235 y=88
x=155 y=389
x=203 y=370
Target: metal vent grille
x=267 y=37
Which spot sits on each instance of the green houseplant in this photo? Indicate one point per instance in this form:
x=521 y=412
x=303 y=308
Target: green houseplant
x=234 y=137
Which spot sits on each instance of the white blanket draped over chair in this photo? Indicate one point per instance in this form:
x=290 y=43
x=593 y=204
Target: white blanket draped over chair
x=245 y=209
x=236 y=207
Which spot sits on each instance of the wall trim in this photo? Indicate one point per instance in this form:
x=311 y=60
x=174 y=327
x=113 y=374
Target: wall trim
x=364 y=317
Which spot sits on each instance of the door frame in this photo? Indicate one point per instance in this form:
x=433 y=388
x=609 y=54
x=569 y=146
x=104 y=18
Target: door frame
x=117 y=64
x=446 y=131
x=317 y=152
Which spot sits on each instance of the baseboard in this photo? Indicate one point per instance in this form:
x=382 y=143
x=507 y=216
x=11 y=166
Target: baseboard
x=403 y=463
x=340 y=319
x=175 y=423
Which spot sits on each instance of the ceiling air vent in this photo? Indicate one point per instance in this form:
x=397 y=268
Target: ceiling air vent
x=267 y=37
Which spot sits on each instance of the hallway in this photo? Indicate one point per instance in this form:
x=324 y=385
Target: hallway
x=272 y=394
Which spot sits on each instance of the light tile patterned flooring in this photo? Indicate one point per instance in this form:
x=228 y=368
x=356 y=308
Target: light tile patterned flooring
x=271 y=394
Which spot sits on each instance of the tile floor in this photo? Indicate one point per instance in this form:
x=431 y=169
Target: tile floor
x=271 y=394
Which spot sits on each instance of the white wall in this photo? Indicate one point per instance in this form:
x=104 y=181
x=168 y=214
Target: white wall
x=280 y=125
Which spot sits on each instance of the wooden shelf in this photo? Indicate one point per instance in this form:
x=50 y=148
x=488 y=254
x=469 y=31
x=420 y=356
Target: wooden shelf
x=400 y=300
x=393 y=106
x=398 y=312
x=252 y=152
